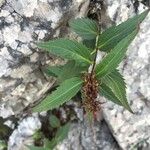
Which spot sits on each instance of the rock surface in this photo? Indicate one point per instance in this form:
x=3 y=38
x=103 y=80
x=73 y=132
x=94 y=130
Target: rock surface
x=22 y=82
x=132 y=130
x=83 y=136
x=21 y=24
x=22 y=136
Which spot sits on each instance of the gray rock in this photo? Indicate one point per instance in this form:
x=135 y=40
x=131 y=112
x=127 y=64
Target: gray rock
x=21 y=24
x=1 y=2
x=87 y=136
x=22 y=136
x=22 y=82
x=132 y=130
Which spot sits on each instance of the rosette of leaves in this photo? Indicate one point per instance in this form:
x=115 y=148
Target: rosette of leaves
x=103 y=78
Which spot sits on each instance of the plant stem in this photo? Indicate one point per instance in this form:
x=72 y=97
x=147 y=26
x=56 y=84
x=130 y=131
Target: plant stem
x=96 y=50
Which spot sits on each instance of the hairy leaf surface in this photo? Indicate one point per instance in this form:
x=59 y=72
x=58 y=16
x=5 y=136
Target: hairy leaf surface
x=112 y=59
x=64 y=93
x=68 y=49
x=115 y=82
x=84 y=27
x=109 y=38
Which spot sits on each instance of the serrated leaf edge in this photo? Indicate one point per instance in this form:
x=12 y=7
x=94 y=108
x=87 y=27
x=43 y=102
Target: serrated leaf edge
x=41 y=45
x=79 y=27
x=41 y=108
x=120 y=96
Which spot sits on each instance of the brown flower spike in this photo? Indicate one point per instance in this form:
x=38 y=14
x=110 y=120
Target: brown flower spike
x=90 y=92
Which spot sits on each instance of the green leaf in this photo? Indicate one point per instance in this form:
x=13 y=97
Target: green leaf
x=50 y=145
x=112 y=59
x=62 y=133
x=107 y=93
x=116 y=83
x=67 y=49
x=36 y=148
x=70 y=70
x=64 y=93
x=37 y=135
x=54 y=121
x=3 y=145
x=90 y=43
x=84 y=27
x=53 y=70
x=109 y=38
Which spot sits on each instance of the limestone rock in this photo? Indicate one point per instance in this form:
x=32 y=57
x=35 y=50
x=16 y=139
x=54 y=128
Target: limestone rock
x=132 y=130
x=21 y=24
x=22 y=82
x=22 y=136
x=86 y=136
